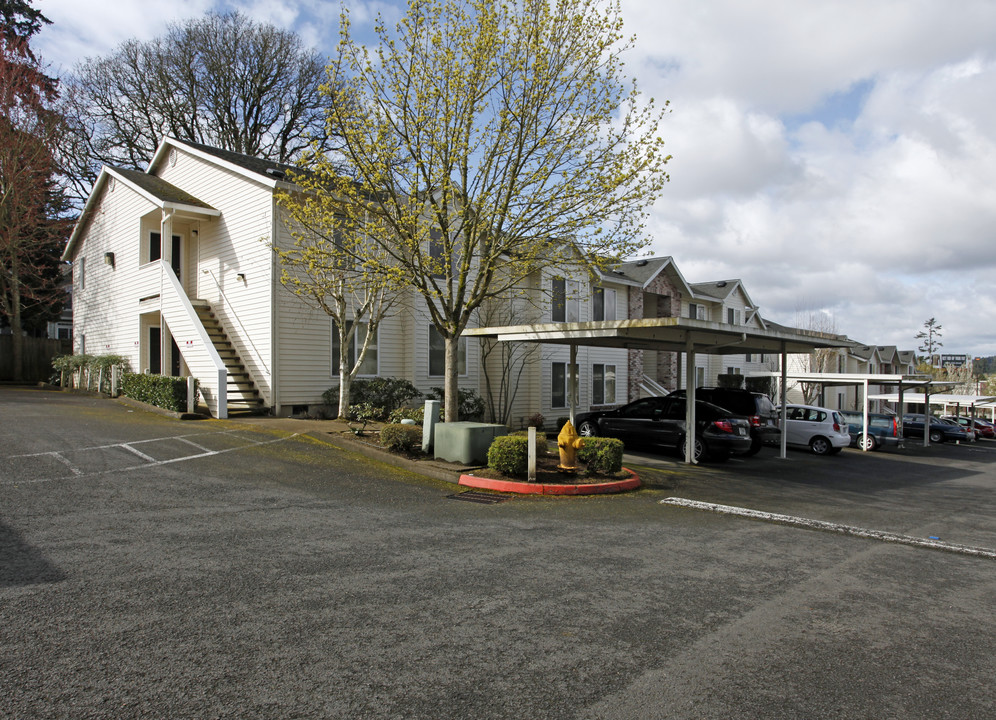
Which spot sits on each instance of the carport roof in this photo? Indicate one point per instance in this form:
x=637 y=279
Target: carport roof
x=669 y=334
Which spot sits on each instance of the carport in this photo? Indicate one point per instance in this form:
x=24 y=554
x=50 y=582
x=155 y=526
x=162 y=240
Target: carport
x=969 y=402
x=672 y=334
x=903 y=384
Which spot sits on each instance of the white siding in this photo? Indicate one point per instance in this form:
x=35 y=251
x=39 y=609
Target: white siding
x=237 y=242
x=106 y=310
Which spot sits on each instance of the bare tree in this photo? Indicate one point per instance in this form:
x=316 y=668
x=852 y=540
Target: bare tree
x=821 y=360
x=504 y=363
x=222 y=80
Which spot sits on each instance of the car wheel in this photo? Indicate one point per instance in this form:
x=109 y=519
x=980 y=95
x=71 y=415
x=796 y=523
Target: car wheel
x=936 y=436
x=868 y=442
x=587 y=429
x=820 y=446
x=698 y=449
x=755 y=446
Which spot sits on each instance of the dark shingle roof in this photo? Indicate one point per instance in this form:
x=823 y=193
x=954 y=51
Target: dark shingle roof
x=640 y=270
x=161 y=189
x=718 y=289
x=253 y=164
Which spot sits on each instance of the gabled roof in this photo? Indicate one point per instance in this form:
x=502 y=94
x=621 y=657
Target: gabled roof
x=863 y=352
x=887 y=352
x=642 y=272
x=906 y=357
x=154 y=189
x=267 y=172
x=721 y=290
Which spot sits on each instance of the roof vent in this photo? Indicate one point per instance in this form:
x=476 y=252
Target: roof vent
x=275 y=172
x=641 y=263
x=721 y=283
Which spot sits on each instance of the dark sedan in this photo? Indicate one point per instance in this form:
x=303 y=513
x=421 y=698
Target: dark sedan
x=939 y=431
x=661 y=421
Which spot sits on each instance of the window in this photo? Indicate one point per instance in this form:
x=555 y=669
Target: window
x=603 y=305
x=603 y=384
x=437 y=354
x=155 y=246
x=733 y=316
x=699 y=377
x=369 y=366
x=565 y=300
x=560 y=382
x=732 y=371
x=747 y=357
x=696 y=311
x=82 y=273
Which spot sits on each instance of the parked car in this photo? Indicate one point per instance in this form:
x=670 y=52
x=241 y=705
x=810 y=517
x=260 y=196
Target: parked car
x=939 y=431
x=823 y=430
x=883 y=429
x=756 y=407
x=982 y=428
x=661 y=421
x=969 y=431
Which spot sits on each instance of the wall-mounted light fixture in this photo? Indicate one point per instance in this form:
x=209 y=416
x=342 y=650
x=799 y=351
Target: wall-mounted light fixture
x=109 y=259
x=241 y=277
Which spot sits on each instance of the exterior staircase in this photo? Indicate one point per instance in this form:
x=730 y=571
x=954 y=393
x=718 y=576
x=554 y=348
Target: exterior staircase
x=242 y=393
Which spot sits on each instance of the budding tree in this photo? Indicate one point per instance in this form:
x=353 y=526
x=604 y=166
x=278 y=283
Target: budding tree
x=485 y=141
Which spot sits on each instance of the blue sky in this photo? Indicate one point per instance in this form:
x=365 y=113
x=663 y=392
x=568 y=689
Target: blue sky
x=837 y=155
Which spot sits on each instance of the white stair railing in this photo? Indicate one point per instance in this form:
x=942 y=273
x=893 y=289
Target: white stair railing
x=652 y=387
x=195 y=346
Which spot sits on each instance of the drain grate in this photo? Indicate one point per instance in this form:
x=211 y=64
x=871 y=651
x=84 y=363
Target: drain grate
x=478 y=497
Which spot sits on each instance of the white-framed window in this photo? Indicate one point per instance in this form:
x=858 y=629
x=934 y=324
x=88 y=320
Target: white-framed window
x=699 y=376
x=370 y=360
x=437 y=354
x=696 y=311
x=603 y=384
x=732 y=370
x=733 y=316
x=560 y=382
x=437 y=253
x=603 y=304
x=564 y=300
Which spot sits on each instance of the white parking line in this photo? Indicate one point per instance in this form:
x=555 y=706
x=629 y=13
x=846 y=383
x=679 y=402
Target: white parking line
x=150 y=461
x=931 y=543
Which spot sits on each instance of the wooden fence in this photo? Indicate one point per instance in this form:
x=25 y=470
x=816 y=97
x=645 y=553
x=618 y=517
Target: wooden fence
x=36 y=362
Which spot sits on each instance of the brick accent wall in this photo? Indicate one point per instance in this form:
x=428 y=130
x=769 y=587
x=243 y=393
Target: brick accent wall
x=660 y=299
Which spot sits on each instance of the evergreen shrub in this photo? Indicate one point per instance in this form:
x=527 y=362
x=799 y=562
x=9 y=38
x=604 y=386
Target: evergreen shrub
x=509 y=454
x=601 y=455
x=169 y=393
x=402 y=438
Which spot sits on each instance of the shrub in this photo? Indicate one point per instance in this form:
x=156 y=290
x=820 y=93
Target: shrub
x=402 y=438
x=470 y=405
x=363 y=413
x=509 y=454
x=536 y=420
x=542 y=445
x=162 y=391
x=87 y=371
x=601 y=455
x=406 y=413
x=387 y=394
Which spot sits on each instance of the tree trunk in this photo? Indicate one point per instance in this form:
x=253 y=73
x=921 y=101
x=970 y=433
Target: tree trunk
x=345 y=382
x=16 y=329
x=451 y=401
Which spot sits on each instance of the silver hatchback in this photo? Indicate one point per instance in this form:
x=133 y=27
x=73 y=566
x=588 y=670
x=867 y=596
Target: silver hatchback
x=822 y=430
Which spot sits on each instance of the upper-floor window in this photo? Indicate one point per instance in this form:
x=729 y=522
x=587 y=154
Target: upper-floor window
x=369 y=366
x=696 y=311
x=437 y=253
x=733 y=316
x=565 y=300
x=603 y=304
x=437 y=354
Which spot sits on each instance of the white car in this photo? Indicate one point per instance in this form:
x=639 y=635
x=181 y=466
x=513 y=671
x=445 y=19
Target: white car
x=822 y=430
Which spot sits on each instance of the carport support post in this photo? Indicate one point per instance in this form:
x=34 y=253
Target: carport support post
x=902 y=410
x=782 y=392
x=689 y=401
x=864 y=417
x=926 y=415
x=572 y=382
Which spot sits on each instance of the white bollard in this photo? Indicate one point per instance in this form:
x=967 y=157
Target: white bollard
x=191 y=394
x=432 y=410
x=531 y=476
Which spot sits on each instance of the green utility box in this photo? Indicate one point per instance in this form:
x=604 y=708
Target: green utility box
x=465 y=442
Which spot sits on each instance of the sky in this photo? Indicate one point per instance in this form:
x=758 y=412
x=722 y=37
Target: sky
x=837 y=156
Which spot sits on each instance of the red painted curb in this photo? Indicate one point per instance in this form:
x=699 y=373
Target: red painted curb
x=528 y=488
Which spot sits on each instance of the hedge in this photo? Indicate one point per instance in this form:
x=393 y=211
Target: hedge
x=402 y=438
x=601 y=455
x=509 y=454
x=169 y=393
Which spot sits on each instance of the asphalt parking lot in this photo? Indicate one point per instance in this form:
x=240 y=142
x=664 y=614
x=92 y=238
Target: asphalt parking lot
x=157 y=568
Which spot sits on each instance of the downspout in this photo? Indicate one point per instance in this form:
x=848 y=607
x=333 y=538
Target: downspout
x=274 y=316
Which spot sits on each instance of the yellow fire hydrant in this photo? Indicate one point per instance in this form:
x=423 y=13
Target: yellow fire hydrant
x=569 y=442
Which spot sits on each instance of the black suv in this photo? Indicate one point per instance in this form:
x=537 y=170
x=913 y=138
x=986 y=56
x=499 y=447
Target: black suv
x=756 y=407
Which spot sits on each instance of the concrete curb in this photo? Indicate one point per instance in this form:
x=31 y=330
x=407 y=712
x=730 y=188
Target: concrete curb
x=138 y=405
x=527 y=488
